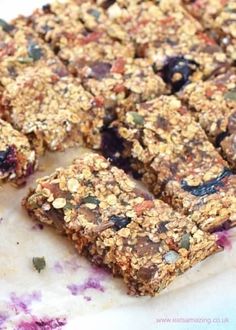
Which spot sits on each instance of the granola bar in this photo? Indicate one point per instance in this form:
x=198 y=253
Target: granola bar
x=213 y=104
x=112 y=222
x=178 y=162
x=54 y=112
x=17 y=159
x=219 y=18
x=173 y=40
x=123 y=80
x=79 y=35
x=22 y=48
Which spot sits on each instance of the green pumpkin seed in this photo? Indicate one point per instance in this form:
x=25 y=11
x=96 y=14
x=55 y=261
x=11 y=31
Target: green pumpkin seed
x=25 y=60
x=90 y=200
x=39 y=263
x=137 y=118
x=34 y=51
x=185 y=241
x=171 y=257
x=231 y=95
x=5 y=26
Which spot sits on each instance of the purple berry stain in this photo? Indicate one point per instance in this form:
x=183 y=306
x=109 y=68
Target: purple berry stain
x=42 y=324
x=224 y=239
x=8 y=159
x=38 y=226
x=3 y=319
x=22 y=304
x=90 y=283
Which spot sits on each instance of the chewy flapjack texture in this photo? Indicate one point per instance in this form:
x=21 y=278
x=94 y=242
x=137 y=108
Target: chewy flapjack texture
x=219 y=18
x=54 y=112
x=172 y=153
x=22 y=48
x=118 y=225
x=213 y=103
x=78 y=33
x=17 y=159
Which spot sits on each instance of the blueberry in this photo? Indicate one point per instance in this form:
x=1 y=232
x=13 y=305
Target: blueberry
x=107 y=3
x=8 y=159
x=119 y=221
x=47 y=8
x=112 y=148
x=207 y=188
x=6 y=26
x=112 y=144
x=177 y=71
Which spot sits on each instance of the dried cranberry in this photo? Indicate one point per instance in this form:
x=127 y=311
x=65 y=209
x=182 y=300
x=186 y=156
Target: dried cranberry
x=8 y=160
x=177 y=71
x=100 y=69
x=119 y=221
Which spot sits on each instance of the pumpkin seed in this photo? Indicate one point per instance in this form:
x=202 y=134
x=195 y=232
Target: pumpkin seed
x=5 y=26
x=231 y=95
x=34 y=51
x=171 y=257
x=39 y=263
x=137 y=118
x=185 y=241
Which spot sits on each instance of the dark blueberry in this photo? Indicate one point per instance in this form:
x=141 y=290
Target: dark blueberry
x=112 y=147
x=34 y=51
x=224 y=226
x=47 y=8
x=5 y=26
x=177 y=71
x=107 y=3
x=119 y=221
x=110 y=115
x=162 y=227
x=100 y=69
x=8 y=159
x=112 y=144
x=209 y=187
x=220 y=137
